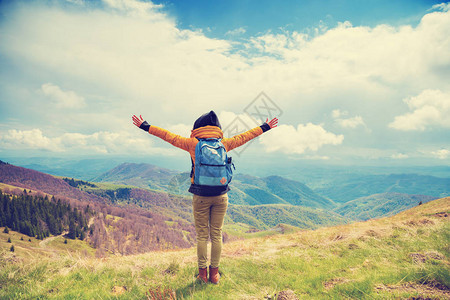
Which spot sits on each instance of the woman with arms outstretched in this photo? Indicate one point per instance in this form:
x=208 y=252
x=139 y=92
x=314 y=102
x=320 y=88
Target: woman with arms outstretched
x=210 y=199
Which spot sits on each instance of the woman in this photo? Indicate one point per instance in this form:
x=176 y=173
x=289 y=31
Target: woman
x=209 y=202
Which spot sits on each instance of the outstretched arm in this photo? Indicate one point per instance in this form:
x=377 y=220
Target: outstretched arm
x=174 y=139
x=241 y=139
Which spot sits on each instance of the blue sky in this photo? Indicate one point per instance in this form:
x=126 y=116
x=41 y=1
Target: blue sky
x=356 y=82
x=217 y=18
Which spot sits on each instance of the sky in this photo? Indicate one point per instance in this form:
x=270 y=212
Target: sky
x=352 y=82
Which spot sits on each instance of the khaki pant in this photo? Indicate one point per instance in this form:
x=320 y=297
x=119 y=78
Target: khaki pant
x=209 y=213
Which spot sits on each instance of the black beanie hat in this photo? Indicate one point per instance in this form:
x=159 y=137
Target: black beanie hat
x=209 y=118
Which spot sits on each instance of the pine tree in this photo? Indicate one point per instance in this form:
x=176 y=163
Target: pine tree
x=72 y=230
x=12 y=248
x=9 y=240
x=6 y=230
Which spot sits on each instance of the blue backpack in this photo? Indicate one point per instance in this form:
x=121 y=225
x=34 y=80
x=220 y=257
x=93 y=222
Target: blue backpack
x=212 y=164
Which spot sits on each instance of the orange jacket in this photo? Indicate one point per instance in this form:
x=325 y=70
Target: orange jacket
x=189 y=144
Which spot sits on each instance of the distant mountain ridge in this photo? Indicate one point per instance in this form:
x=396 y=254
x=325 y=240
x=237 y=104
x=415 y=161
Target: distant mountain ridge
x=245 y=189
x=364 y=186
x=140 y=175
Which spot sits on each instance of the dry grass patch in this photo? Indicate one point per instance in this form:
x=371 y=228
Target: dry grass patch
x=429 y=290
x=423 y=257
x=328 y=285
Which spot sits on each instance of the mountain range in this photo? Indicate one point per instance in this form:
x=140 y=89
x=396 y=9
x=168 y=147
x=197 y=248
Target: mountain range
x=245 y=189
x=261 y=203
x=366 y=185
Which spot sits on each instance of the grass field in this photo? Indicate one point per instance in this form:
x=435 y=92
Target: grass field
x=400 y=257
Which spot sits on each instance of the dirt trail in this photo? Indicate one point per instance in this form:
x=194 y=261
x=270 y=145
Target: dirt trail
x=44 y=242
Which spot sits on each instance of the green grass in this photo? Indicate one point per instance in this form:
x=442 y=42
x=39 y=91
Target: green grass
x=367 y=260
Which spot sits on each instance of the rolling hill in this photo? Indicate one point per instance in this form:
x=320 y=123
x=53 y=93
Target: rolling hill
x=115 y=227
x=380 y=205
x=280 y=191
x=131 y=202
x=245 y=189
x=268 y=216
x=405 y=256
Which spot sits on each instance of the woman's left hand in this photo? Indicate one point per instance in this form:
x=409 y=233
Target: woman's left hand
x=137 y=121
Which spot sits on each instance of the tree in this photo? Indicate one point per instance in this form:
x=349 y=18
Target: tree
x=65 y=241
x=72 y=230
x=9 y=240
x=6 y=230
x=12 y=248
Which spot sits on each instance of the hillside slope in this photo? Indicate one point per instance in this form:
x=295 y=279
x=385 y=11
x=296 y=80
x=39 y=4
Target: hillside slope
x=380 y=205
x=268 y=216
x=31 y=179
x=275 y=190
x=159 y=222
x=403 y=257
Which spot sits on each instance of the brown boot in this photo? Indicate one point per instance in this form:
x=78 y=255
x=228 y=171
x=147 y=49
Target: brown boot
x=203 y=275
x=214 y=275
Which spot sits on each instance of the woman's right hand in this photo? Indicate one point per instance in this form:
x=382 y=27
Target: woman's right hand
x=272 y=123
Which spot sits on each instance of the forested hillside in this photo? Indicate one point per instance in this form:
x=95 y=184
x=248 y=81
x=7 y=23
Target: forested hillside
x=115 y=228
x=38 y=216
x=269 y=216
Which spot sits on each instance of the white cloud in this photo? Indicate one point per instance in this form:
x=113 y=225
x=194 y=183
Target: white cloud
x=62 y=99
x=180 y=129
x=236 y=32
x=441 y=6
x=352 y=122
x=441 y=154
x=290 y=140
x=336 y=113
x=399 y=156
x=99 y=142
x=134 y=8
x=28 y=139
x=430 y=108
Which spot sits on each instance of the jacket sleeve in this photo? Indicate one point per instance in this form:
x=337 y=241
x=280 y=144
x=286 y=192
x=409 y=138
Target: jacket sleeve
x=241 y=139
x=174 y=139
